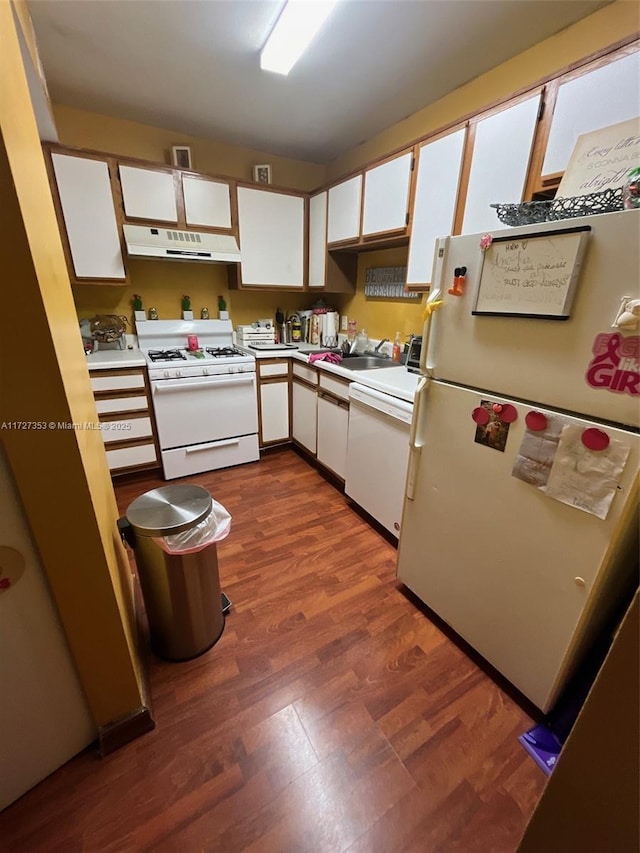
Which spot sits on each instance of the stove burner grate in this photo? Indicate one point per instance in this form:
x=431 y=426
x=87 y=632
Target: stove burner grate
x=166 y=355
x=222 y=352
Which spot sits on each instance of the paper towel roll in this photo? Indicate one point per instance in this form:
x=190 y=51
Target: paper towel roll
x=330 y=330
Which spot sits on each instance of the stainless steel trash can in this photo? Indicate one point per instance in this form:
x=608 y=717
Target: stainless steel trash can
x=181 y=591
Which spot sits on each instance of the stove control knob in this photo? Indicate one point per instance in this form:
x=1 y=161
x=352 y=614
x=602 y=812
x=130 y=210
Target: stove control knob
x=205 y=371
x=233 y=368
x=178 y=373
x=167 y=374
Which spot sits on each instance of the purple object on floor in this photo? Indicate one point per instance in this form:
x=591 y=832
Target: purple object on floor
x=543 y=746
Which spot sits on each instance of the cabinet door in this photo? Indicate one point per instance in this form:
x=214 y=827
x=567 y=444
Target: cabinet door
x=343 y=222
x=274 y=412
x=317 y=240
x=84 y=190
x=304 y=415
x=434 y=206
x=148 y=194
x=607 y=95
x=386 y=196
x=207 y=203
x=501 y=155
x=271 y=238
x=333 y=427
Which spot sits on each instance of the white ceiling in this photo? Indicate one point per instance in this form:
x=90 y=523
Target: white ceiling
x=192 y=66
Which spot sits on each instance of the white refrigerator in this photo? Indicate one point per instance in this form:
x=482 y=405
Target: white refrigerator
x=520 y=518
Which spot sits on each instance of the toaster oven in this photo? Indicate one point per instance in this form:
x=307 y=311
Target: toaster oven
x=413 y=356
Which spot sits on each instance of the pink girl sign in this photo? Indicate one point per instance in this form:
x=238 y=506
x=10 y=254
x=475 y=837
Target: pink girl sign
x=615 y=364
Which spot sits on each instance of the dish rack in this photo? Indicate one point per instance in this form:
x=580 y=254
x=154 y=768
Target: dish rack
x=551 y=210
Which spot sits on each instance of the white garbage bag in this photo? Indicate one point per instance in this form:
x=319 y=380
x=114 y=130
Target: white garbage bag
x=214 y=528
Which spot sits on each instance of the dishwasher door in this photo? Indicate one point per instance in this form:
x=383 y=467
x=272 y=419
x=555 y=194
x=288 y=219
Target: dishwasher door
x=378 y=454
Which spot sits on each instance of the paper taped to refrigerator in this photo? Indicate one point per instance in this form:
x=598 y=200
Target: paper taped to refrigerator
x=537 y=453
x=583 y=478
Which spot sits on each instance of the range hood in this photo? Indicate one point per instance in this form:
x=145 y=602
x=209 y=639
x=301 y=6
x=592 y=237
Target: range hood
x=173 y=245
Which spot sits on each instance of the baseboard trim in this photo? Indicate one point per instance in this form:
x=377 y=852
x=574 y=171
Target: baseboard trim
x=123 y=731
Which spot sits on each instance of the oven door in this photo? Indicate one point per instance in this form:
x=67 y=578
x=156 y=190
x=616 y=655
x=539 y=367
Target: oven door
x=204 y=408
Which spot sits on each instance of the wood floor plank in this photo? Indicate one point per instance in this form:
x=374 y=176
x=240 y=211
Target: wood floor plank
x=331 y=715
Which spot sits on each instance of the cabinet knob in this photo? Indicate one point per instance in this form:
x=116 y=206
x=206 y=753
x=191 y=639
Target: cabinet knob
x=579 y=581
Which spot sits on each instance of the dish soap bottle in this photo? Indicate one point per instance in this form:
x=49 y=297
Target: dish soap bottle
x=397 y=347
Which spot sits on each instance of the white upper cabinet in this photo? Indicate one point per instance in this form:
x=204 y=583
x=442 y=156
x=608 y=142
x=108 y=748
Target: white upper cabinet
x=90 y=222
x=272 y=229
x=434 y=207
x=148 y=194
x=500 y=162
x=386 y=196
x=207 y=203
x=317 y=240
x=343 y=219
x=607 y=95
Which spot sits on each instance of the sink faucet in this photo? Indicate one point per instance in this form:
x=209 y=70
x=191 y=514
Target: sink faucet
x=383 y=341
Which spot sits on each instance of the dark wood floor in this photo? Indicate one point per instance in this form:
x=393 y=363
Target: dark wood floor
x=332 y=715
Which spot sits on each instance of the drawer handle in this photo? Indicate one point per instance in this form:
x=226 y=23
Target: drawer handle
x=212 y=445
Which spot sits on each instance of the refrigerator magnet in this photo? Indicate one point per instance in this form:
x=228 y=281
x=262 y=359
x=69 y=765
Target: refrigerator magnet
x=508 y=413
x=536 y=421
x=595 y=439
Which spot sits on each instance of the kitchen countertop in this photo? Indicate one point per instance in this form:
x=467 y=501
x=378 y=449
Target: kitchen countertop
x=109 y=359
x=396 y=381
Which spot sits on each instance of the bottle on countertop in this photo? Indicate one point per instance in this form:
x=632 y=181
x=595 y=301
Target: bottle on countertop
x=362 y=341
x=397 y=347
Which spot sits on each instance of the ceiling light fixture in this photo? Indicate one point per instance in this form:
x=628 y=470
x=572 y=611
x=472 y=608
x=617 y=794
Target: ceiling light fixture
x=293 y=32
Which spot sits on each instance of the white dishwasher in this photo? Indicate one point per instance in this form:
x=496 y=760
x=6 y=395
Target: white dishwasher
x=378 y=453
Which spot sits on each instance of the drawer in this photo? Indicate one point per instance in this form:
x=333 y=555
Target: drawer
x=125 y=457
x=309 y=374
x=208 y=457
x=117 y=382
x=273 y=369
x=335 y=386
x=122 y=404
x=126 y=429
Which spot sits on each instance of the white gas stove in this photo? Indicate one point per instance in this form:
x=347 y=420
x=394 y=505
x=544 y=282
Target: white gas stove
x=204 y=399
x=164 y=344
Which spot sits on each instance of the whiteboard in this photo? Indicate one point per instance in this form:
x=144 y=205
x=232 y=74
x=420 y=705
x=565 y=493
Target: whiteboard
x=532 y=276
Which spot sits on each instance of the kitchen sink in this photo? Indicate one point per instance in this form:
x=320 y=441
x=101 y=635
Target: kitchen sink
x=368 y=362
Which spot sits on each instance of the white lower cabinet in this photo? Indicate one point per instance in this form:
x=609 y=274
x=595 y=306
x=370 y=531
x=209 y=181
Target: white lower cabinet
x=274 y=425
x=333 y=428
x=304 y=428
x=130 y=441
x=274 y=412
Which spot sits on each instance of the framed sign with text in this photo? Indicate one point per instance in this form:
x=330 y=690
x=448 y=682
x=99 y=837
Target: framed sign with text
x=533 y=275
x=602 y=159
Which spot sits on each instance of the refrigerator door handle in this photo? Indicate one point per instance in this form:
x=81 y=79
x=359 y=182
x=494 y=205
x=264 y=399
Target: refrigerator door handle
x=434 y=300
x=414 y=447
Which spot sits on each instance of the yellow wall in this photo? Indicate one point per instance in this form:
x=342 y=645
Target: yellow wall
x=382 y=318
x=596 y=32
x=132 y=139
x=161 y=284
x=62 y=475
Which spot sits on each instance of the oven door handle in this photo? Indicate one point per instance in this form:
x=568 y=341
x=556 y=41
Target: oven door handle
x=180 y=385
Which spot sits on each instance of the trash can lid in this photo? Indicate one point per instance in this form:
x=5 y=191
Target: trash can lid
x=169 y=509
